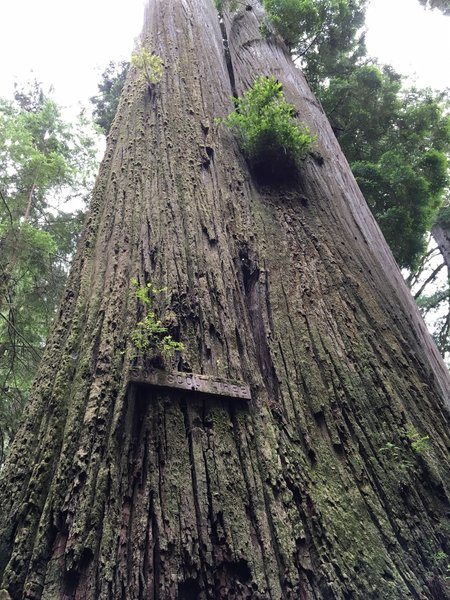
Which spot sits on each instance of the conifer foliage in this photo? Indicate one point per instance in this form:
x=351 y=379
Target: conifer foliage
x=44 y=163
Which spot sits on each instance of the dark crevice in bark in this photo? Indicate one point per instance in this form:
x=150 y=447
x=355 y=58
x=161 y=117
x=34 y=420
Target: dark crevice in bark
x=155 y=564
x=74 y=580
x=200 y=581
x=250 y=509
x=272 y=528
x=250 y=273
x=280 y=172
x=228 y=61
x=438 y=589
x=189 y=589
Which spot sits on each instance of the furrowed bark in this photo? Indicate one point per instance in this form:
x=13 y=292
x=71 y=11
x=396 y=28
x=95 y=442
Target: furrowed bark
x=313 y=490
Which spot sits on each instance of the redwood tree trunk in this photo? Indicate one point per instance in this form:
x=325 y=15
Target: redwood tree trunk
x=441 y=235
x=316 y=489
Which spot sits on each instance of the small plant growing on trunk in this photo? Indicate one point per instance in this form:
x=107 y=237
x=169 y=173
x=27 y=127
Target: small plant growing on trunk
x=267 y=128
x=396 y=456
x=151 y=336
x=420 y=444
x=231 y=5
x=150 y=65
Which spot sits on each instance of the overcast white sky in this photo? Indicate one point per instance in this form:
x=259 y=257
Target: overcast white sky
x=65 y=43
x=68 y=44
x=411 y=39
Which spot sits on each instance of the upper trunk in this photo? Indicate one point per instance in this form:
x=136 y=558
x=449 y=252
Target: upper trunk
x=441 y=234
x=317 y=488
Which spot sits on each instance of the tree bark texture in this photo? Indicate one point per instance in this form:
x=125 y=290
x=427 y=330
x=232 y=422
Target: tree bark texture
x=313 y=490
x=441 y=235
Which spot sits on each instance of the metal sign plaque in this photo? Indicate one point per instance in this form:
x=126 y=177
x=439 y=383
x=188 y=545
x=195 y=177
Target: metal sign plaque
x=193 y=382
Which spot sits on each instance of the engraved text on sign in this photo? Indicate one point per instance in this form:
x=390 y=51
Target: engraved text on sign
x=193 y=382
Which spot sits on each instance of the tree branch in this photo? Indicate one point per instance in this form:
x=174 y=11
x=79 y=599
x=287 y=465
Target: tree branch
x=27 y=343
x=414 y=276
x=431 y=278
x=7 y=207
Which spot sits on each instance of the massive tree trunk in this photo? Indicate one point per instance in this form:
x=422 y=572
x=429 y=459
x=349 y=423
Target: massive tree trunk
x=321 y=486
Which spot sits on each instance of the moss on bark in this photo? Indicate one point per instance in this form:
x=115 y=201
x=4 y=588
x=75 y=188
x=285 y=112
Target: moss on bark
x=115 y=492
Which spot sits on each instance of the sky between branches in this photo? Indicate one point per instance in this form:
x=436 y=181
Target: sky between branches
x=68 y=44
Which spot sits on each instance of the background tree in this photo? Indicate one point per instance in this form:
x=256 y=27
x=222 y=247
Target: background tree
x=431 y=282
x=43 y=162
x=397 y=142
x=442 y=5
x=325 y=37
x=333 y=481
x=107 y=100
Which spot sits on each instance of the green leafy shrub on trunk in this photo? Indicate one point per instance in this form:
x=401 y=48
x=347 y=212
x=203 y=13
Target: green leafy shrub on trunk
x=267 y=128
x=151 y=336
x=150 y=65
